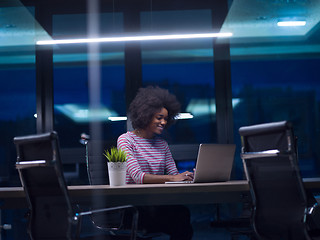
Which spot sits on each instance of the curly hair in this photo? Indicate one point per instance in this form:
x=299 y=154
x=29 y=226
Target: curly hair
x=148 y=102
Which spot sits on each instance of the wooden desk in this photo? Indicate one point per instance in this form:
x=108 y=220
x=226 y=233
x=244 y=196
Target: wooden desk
x=163 y=194
x=149 y=194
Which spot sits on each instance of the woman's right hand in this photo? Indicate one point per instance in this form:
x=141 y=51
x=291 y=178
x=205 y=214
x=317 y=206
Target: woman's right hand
x=152 y=178
x=185 y=176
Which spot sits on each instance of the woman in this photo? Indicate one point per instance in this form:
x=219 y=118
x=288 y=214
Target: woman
x=149 y=159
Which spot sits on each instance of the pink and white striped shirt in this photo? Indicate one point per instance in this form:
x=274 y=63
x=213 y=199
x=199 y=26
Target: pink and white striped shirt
x=151 y=156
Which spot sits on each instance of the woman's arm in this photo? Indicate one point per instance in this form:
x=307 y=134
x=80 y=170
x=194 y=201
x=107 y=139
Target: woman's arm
x=133 y=168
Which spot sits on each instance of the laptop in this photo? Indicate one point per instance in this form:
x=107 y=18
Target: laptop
x=214 y=163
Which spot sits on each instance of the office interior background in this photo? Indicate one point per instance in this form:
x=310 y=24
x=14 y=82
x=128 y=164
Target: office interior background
x=264 y=72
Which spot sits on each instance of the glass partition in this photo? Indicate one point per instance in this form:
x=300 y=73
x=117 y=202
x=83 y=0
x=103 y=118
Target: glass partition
x=185 y=68
x=89 y=86
x=18 y=83
x=274 y=69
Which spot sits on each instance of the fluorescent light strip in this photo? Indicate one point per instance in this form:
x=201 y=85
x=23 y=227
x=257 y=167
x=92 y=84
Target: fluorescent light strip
x=117 y=118
x=134 y=38
x=291 y=23
x=180 y=116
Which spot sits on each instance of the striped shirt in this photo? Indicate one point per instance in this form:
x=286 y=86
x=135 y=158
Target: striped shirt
x=151 y=156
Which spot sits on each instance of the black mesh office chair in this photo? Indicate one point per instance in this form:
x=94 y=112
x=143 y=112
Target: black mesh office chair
x=51 y=213
x=269 y=156
x=97 y=170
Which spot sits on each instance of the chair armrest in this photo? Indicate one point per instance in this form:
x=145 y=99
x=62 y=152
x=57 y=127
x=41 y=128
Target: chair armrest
x=28 y=164
x=268 y=153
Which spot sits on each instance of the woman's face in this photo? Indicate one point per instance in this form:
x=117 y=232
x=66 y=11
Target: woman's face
x=158 y=122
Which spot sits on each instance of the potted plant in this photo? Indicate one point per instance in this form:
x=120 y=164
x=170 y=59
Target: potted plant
x=117 y=166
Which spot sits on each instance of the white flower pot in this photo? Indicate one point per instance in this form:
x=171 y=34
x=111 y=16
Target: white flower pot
x=117 y=173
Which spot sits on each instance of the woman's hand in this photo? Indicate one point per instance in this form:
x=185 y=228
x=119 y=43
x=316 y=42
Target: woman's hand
x=151 y=178
x=185 y=176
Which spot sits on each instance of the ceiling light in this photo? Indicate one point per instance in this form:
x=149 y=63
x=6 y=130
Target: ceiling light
x=134 y=38
x=184 y=116
x=179 y=116
x=117 y=118
x=291 y=23
x=79 y=113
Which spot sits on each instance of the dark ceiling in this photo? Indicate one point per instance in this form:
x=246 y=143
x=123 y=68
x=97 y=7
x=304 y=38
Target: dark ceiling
x=252 y=22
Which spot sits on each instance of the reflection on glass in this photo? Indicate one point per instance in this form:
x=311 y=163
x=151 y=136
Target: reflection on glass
x=18 y=32
x=73 y=82
x=289 y=90
x=184 y=67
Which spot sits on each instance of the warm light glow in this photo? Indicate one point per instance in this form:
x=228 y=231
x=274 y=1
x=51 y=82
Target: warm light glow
x=291 y=23
x=134 y=38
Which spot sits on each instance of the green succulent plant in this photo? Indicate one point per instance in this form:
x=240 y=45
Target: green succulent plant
x=115 y=155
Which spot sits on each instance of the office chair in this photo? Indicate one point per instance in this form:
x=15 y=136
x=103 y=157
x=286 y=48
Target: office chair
x=269 y=155
x=51 y=213
x=97 y=171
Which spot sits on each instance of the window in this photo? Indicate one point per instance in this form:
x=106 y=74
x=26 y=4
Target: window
x=18 y=85
x=88 y=91
x=185 y=68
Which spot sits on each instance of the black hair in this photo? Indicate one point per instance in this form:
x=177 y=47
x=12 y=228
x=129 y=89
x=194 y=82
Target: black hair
x=148 y=102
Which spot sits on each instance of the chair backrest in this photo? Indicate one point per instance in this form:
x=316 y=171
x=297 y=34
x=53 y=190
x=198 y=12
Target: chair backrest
x=97 y=167
x=268 y=136
x=97 y=170
x=39 y=166
x=276 y=186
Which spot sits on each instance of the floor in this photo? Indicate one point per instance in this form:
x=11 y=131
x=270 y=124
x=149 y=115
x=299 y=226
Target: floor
x=201 y=217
